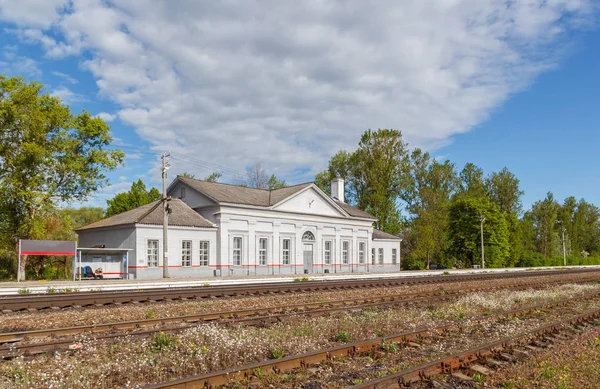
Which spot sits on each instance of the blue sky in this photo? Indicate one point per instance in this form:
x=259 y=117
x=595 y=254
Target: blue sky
x=225 y=85
x=547 y=135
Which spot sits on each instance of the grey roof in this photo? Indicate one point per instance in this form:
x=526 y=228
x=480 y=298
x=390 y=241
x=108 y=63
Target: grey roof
x=181 y=215
x=235 y=194
x=353 y=211
x=377 y=234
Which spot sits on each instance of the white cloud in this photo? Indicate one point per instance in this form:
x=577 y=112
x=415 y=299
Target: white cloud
x=288 y=84
x=67 y=95
x=66 y=77
x=37 y=13
x=107 y=117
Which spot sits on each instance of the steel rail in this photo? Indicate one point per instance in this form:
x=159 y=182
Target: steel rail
x=451 y=363
x=99 y=298
x=245 y=372
x=244 y=316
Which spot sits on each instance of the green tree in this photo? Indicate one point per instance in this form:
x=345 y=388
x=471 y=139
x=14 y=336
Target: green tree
x=78 y=217
x=504 y=190
x=187 y=175
x=432 y=185
x=137 y=196
x=543 y=216
x=213 y=177
x=471 y=181
x=465 y=232
x=47 y=155
x=374 y=175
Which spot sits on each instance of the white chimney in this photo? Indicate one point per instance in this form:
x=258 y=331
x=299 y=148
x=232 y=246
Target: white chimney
x=337 y=188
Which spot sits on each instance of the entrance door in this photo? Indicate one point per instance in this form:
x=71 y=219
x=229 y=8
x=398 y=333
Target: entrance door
x=308 y=257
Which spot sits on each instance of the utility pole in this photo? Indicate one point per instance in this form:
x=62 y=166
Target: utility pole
x=165 y=201
x=562 y=229
x=564 y=250
x=482 y=249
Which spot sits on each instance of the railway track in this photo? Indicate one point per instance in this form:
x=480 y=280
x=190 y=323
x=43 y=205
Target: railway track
x=483 y=360
x=246 y=373
x=101 y=298
x=15 y=343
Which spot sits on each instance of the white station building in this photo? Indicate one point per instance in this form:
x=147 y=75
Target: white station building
x=220 y=229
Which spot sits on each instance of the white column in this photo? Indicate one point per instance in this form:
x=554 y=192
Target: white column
x=252 y=256
x=338 y=250
x=275 y=258
x=298 y=259
x=369 y=254
x=223 y=258
x=318 y=254
x=354 y=251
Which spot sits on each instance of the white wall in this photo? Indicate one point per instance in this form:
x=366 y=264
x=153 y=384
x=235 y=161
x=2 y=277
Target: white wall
x=387 y=245
x=309 y=202
x=254 y=224
x=175 y=236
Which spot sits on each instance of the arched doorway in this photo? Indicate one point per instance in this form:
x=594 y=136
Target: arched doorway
x=308 y=243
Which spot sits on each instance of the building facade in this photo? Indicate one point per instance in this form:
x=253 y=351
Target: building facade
x=222 y=230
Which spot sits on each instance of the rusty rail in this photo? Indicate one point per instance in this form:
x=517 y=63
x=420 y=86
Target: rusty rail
x=244 y=316
x=245 y=372
x=463 y=360
x=99 y=298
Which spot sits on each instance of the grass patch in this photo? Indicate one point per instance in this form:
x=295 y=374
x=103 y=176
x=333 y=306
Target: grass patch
x=162 y=342
x=301 y=279
x=276 y=353
x=342 y=336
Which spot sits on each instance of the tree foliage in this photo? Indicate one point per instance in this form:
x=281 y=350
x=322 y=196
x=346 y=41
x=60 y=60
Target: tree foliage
x=137 y=196
x=48 y=155
x=374 y=175
x=465 y=232
x=213 y=177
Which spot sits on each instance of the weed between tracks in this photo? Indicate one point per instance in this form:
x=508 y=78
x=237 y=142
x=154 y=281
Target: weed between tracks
x=573 y=365
x=18 y=321
x=207 y=347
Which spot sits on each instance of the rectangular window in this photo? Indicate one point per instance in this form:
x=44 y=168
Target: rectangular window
x=345 y=252
x=186 y=253
x=328 y=252
x=372 y=256
x=394 y=260
x=152 y=253
x=182 y=193
x=262 y=251
x=237 y=251
x=381 y=256
x=285 y=251
x=204 y=253
x=361 y=253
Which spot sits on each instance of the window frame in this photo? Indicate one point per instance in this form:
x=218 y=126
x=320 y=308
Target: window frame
x=394 y=256
x=151 y=263
x=362 y=246
x=327 y=252
x=263 y=252
x=240 y=251
x=345 y=252
x=373 y=255
x=204 y=252
x=189 y=253
x=380 y=255
x=286 y=252
x=182 y=192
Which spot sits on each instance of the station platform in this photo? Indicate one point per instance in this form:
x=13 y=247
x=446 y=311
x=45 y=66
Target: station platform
x=14 y=288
